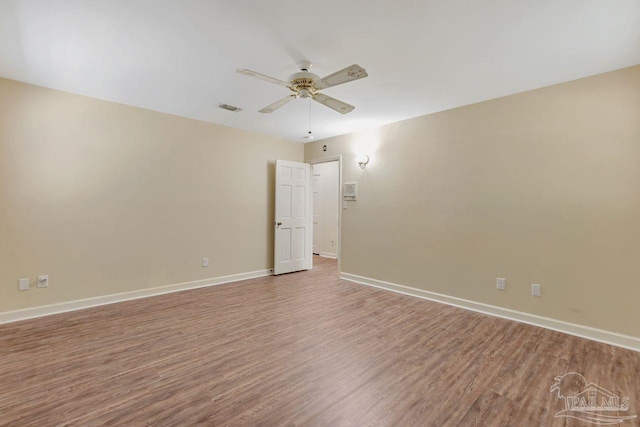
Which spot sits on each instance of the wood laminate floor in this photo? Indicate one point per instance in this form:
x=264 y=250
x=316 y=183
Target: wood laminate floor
x=303 y=349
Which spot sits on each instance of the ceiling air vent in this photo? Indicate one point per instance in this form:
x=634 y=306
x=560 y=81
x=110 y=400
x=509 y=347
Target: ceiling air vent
x=230 y=108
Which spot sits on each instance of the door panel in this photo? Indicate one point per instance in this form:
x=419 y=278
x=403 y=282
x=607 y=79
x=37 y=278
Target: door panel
x=293 y=217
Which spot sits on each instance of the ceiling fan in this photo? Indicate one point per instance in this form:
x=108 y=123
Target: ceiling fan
x=307 y=85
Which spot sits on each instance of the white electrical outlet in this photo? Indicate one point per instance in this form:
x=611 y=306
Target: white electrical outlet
x=501 y=283
x=205 y=262
x=536 y=290
x=23 y=284
x=43 y=281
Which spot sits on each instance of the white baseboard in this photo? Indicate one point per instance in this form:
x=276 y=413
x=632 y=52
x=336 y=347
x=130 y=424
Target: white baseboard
x=607 y=337
x=328 y=255
x=62 y=307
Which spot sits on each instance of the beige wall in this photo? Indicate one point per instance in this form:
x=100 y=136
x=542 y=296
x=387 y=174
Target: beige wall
x=106 y=198
x=539 y=187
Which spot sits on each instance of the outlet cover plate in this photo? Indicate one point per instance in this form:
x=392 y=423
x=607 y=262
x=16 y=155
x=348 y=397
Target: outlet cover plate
x=536 y=290
x=43 y=281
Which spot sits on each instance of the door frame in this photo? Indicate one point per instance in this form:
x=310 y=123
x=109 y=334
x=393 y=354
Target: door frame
x=339 y=160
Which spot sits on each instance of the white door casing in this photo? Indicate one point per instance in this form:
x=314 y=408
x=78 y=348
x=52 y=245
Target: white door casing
x=293 y=217
x=340 y=183
x=326 y=208
x=317 y=213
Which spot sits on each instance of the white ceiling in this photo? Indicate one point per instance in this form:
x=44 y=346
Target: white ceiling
x=180 y=57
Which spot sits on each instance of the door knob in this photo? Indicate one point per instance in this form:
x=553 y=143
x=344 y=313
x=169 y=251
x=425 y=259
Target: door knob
x=278 y=224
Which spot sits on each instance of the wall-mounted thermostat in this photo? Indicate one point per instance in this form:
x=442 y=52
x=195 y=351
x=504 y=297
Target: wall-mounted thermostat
x=350 y=191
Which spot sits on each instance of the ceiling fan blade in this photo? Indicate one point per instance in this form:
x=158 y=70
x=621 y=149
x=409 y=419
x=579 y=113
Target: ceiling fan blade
x=334 y=104
x=263 y=77
x=273 y=107
x=352 y=72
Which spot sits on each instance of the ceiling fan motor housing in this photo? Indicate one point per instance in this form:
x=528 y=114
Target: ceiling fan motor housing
x=302 y=83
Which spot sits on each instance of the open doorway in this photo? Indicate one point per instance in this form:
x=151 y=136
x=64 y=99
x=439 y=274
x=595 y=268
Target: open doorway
x=326 y=182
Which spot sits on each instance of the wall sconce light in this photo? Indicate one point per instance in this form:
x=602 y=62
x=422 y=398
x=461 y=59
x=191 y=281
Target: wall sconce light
x=362 y=160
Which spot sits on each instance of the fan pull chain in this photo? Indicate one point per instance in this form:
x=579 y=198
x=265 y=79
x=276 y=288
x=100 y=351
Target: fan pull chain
x=309 y=116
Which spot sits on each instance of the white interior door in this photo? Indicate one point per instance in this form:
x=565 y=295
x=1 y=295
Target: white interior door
x=293 y=217
x=317 y=213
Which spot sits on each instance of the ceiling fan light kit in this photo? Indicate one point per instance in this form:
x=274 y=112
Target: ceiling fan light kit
x=307 y=85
